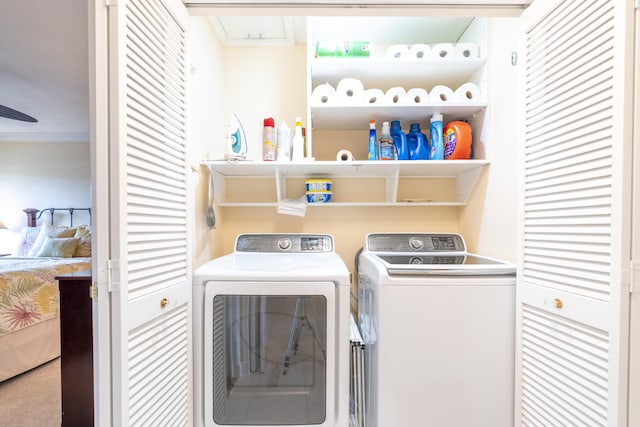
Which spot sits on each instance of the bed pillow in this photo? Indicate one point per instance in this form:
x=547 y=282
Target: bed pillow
x=84 y=246
x=28 y=236
x=47 y=230
x=59 y=247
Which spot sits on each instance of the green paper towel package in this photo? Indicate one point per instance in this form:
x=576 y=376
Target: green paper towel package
x=347 y=49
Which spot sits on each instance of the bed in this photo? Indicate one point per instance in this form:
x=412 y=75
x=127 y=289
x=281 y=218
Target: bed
x=29 y=296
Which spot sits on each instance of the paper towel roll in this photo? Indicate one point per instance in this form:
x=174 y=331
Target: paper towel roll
x=419 y=51
x=417 y=96
x=443 y=51
x=323 y=94
x=396 y=96
x=441 y=94
x=344 y=156
x=468 y=92
x=349 y=91
x=467 y=51
x=398 y=51
x=373 y=96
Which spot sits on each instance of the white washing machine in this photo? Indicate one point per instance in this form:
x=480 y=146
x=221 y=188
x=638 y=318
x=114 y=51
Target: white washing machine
x=271 y=334
x=438 y=325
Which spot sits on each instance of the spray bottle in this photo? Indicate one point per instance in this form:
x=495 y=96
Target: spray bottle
x=385 y=144
x=269 y=140
x=373 y=142
x=297 y=143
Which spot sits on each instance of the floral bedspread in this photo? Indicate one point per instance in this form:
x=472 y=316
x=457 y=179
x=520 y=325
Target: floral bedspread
x=29 y=291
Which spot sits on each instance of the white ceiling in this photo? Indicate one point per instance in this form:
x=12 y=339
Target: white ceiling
x=44 y=69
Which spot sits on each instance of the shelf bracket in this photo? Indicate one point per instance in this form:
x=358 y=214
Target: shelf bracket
x=392 y=182
x=465 y=183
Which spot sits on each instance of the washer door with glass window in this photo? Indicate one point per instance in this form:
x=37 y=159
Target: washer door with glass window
x=269 y=353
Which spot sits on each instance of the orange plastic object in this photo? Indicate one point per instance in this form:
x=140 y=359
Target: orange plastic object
x=457 y=140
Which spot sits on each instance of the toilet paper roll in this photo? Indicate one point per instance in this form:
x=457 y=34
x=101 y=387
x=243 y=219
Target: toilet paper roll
x=373 y=96
x=398 y=51
x=468 y=92
x=323 y=94
x=443 y=51
x=467 y=51
x=344 y=156
x=440 y=94
x=417 y=96
x=419 y=51
x=396 y=96
x=349 y=91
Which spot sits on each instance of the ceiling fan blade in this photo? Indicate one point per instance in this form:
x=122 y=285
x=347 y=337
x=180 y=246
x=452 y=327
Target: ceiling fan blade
x=10 y=113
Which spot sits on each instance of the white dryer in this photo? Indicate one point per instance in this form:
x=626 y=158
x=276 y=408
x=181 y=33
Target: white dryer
x=438 y=327
x=271 y=334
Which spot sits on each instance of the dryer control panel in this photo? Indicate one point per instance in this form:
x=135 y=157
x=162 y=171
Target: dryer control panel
x=291 y=243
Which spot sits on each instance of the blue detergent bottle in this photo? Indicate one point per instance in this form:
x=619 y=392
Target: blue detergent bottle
x=437 y=142
x=418 y=144
x=399 y=140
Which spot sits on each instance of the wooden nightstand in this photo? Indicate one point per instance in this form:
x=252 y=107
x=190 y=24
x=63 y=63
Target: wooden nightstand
x=76 y=349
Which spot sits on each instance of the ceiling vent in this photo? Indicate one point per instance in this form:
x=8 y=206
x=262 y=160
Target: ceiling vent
x=253 y=30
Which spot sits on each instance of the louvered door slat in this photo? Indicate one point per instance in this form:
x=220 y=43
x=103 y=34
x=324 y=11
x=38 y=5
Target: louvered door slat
x=152 y=314
x=570 y=306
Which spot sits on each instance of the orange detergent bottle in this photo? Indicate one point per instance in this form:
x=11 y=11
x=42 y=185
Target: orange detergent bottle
x=457 y=140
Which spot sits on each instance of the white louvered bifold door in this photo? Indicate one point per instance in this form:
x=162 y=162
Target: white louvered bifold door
x=573 y=290
x=150 y=268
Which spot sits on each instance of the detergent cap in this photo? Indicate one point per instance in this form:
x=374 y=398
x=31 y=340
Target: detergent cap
x=269 y=122
x=437 y=117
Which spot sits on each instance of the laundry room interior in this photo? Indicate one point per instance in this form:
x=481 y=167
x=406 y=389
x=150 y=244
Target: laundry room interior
x=518 y=198
x=276 y=77
x=247 y=69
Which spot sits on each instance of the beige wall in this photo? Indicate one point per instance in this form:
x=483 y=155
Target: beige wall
x=43 y=175
x=270 y=81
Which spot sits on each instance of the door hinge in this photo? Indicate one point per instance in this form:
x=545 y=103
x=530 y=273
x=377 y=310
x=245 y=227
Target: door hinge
x=113 y=275
x=93 y=292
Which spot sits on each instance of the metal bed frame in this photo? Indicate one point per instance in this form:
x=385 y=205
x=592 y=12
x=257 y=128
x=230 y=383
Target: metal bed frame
x=32 y=219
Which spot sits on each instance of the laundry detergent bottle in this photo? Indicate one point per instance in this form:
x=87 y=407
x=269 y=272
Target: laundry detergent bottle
x=437 y=143
x=399 y=140
x=457 y=140
x=418 y=144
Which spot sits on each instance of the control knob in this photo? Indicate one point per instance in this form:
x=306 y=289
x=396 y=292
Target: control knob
x=284 y=244
x=416 y=243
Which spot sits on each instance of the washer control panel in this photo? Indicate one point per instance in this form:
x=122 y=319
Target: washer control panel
x=406 y=242
x=290 y=243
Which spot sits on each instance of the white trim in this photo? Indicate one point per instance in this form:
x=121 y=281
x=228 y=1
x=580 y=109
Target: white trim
x=45 y=137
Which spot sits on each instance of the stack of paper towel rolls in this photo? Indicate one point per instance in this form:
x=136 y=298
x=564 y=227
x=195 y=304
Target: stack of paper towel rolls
x=437 y=51
x=351 y=91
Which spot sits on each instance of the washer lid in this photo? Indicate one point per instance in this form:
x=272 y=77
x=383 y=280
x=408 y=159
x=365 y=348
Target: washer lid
x=443 y=264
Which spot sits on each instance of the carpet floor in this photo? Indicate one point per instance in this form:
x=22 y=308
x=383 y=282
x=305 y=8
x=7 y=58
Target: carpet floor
x=32 y=399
